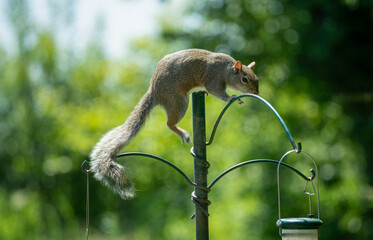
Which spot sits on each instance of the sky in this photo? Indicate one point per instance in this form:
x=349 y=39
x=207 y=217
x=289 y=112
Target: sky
x=123 y=20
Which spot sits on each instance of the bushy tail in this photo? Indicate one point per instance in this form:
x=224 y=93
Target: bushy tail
x=103 y=156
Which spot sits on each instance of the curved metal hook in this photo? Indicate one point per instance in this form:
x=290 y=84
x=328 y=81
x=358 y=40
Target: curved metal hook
x=315 y=174
x=267 y=104
x=256 y=161
x=167 y=163
x=84 y=169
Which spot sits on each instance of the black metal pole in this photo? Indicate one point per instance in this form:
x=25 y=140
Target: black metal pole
x=200 y=166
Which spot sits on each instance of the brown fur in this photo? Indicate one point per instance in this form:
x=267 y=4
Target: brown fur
x=175 y=76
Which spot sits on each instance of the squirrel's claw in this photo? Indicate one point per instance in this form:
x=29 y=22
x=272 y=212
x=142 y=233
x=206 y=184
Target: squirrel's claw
x=238 y=100
x=185 y=138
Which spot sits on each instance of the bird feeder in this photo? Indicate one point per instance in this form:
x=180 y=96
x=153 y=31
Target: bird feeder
x=300 y=228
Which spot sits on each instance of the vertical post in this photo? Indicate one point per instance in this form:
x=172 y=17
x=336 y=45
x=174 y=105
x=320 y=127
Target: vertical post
x=200 y=165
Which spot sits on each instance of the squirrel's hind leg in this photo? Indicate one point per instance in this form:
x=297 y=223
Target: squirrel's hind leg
x=175 y=111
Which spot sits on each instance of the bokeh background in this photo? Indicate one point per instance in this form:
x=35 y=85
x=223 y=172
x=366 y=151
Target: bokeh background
x=63 y=85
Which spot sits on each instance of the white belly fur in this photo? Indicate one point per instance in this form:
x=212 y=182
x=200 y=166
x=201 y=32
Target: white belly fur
x=197 y=89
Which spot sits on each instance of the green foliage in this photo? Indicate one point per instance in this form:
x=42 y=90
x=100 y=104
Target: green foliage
x=54 y=107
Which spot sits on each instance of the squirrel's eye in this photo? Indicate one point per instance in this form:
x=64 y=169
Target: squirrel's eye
x=244 y=80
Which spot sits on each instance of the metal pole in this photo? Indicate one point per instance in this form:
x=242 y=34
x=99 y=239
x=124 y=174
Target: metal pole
x=200 y=166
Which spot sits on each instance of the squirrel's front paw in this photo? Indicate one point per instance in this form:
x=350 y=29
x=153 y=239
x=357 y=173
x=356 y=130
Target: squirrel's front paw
x=238 y=100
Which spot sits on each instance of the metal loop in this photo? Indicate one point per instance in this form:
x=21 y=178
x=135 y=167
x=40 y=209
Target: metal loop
x=84 y=169
x=206 y=189
x=203 y=162
x=200 y=201
x=313 y=187
x=194 y=198
x=315 y=174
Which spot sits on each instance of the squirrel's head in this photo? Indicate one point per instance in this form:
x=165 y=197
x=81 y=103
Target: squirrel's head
x=245 y=79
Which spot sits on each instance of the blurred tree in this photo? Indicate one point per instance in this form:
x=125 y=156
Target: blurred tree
x=37 y=177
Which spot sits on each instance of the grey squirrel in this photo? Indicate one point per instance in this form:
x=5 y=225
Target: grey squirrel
x=175 y=77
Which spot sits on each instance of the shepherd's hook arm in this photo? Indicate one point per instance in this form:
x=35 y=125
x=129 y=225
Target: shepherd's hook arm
x=163 y=161
x=297 y=149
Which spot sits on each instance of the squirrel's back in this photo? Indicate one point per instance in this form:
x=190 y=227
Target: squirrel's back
x=186 y=69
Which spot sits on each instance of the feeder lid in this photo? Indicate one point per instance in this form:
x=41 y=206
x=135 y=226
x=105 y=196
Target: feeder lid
x=299 y=223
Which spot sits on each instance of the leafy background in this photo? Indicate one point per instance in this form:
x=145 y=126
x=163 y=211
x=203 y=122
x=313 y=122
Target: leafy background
x=314 y=61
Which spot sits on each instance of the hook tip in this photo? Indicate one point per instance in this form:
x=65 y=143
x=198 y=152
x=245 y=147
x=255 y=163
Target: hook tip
x=84 y=169
x=313 y=175
x=299 y=148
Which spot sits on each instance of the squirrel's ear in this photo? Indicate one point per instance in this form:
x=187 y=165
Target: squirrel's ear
x=251 y=65
x=237 y=67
